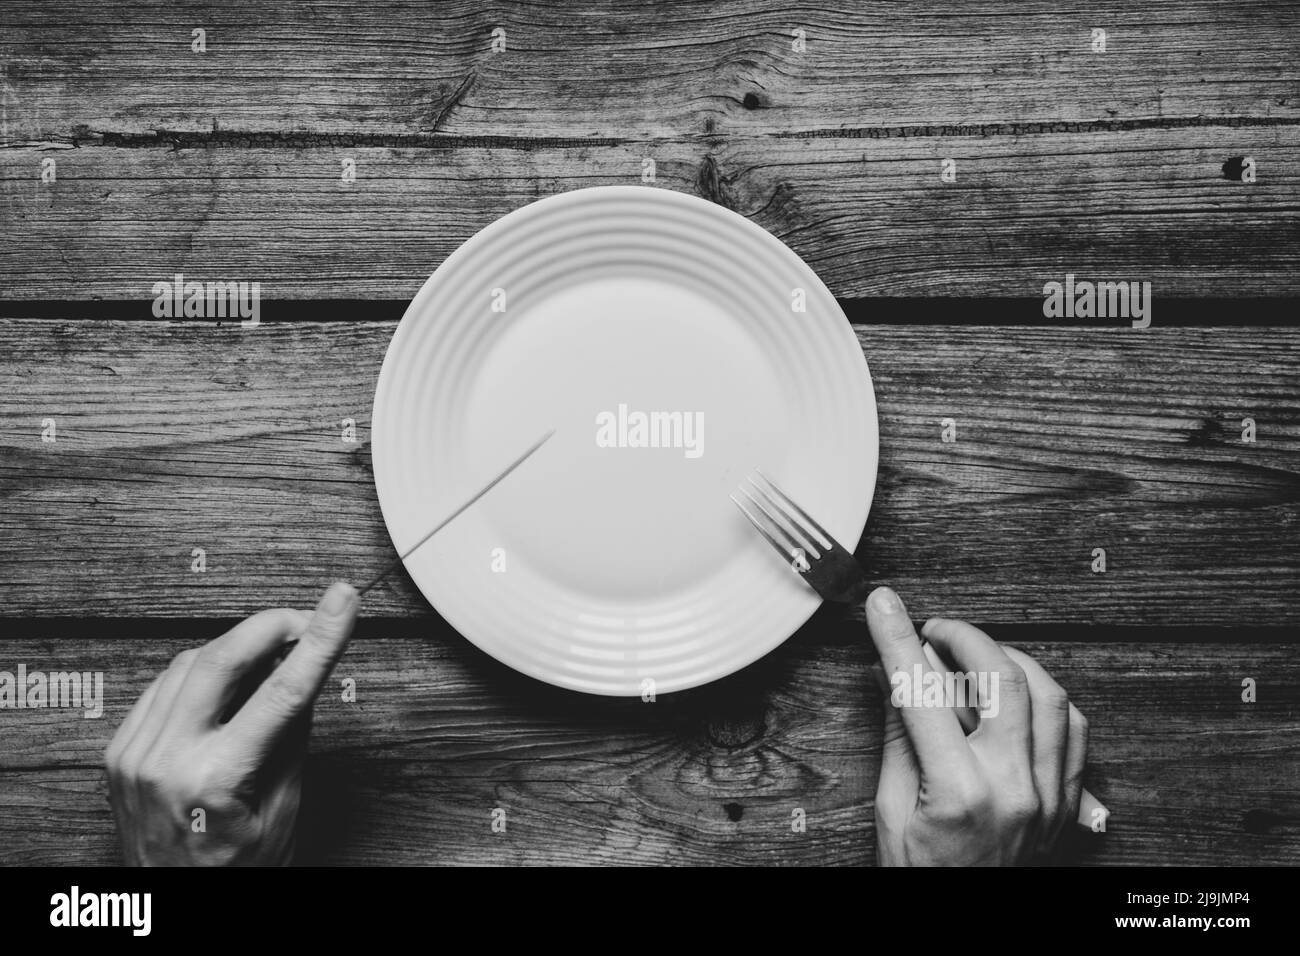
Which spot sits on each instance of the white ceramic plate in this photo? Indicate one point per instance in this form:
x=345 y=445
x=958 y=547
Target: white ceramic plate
x=622 y=565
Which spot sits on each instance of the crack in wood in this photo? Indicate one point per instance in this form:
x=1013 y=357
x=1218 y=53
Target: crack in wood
x=1037 y=128
x=456 y=97
x=232 y=139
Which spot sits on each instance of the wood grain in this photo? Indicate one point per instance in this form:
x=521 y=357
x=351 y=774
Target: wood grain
x=1067 y=159
x=637 y=70
x=226 y=166
x=173 y=436
x=440 y=735
x=870 y=215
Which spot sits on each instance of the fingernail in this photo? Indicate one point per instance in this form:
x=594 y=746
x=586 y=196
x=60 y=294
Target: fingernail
x=885 y=601
x=338 y=599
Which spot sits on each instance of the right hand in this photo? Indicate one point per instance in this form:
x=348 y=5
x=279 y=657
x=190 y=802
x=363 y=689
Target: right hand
x=999 y=795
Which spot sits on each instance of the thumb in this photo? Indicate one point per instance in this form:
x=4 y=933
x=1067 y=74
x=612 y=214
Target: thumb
x=899 y=782
x=326 y=638
x=896 y=745
x=287 y=695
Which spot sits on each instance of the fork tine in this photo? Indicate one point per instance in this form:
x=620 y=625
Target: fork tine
x=785 y=552
x=800 y=536
x=826 y=540
x=814 y=544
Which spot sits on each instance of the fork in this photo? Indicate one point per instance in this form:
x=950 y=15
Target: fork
x=829 y=568
x=835 y=574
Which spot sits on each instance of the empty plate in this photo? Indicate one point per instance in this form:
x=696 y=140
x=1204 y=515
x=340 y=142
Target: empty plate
x=674 y=346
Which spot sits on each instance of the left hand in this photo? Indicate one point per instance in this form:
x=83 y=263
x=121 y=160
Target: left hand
x=191 y=789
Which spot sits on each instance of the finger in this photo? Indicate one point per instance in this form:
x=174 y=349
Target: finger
x=123 y=795
x=1005 y=715
x=1076 y=756
x=155 y=718
x=292 y=687
x=214 y=678
x=130 y=726
x=968 y=717
x=1050 y=733
x=935 y=735
x=279 y=800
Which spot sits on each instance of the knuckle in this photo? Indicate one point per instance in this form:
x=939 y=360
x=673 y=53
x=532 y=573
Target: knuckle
x=282 y=696
x=1078 y=722
x=1057 y=698
x=217 y=657
x=188 y=785
x=207 y=786
x=185 y=658
x=154 y=775
x=113 y=755
x=1014 y=679
x=968 y=804
x=899 y=636
x=115 y=764
x=122 y=768
x=203 y=778
x=979 y=798
x=1023 y=808
x=1057 y=702
x=275 y=618
x=960 y=816
x=325 y=639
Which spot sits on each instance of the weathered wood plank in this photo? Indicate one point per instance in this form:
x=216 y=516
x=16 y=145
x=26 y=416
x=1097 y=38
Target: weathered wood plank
x=172 y=436
x=640 y=70
x=440 y=735
x=871 y=216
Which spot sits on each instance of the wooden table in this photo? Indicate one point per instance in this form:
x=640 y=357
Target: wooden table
x=227 y=165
